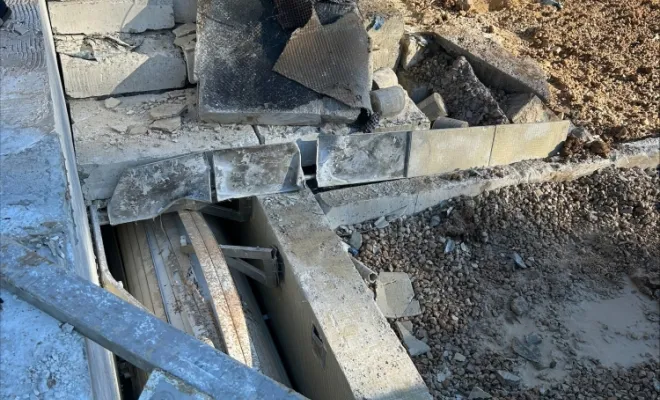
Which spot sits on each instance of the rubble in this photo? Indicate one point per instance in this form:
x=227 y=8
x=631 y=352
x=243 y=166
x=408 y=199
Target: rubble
x=527 y=108
x=412 y=51
x=417 y=90
x=448 y=123
x=384 y=78
x=434 y=107
x=395 y=296
x=388 y=102
x=168 y=110
x=385 y=40
x=414 y=346
x=168 y=125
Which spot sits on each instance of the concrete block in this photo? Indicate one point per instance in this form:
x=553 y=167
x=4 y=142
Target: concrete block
x=185 y=11
x=417 y=90
x=187 y=44
x=448 y=123
x=357 y=204
x=384 y=78
x=410 y=119
x=493 y=64
x=438 y=151
x=519 y=142
x=389 y=101
x=344 y=160
x=253 y=171
x=524 y=108
x=334 y=340
x=104 y=150
x=385 y=40
x=110 y=16
x=433 y=106
x=150 y=61
x=146 y=191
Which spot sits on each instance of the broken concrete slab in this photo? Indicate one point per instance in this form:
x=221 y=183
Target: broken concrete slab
x=146 y=191
x=344 y=160
x=413 y=48
x=433 y=107
x=525 y=108
x=330 y=59
x=331 y=355
x=253 y=171
x=415 y=346
x=238 y=43
x=89 y=17
x=449 y=123
x=494 y=65
x=395 y=296
x=468 y=99
x=153 y=64
x=384 y=78
x=385 y=33
x=104 y=151
x=519 y=142
x=354 y=205
x=439 y=151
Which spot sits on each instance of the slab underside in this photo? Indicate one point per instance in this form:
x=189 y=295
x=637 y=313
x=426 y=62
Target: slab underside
x=408 y=196
x=36 y=355
x=335 y=342
x=238 y=43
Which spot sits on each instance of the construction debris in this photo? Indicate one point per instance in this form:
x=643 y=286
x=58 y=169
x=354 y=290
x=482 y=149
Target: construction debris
x=434 y=107
x=384 y=78
x=448 y=123
x=414 y=346
x=395 y=296
x=385 y=33
x=365 y=272
x=388 y=102
x=412 y=51
x=527 y=108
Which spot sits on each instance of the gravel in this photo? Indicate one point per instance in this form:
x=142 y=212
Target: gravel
x=590 y=246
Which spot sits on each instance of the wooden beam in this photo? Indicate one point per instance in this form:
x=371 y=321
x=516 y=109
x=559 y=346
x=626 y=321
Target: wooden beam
x=133 y=334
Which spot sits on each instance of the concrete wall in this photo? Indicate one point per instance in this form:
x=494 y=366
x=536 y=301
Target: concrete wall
x=334 y=340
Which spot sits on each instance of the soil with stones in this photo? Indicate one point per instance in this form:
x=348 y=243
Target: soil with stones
x=601 y=56
x=537 y=291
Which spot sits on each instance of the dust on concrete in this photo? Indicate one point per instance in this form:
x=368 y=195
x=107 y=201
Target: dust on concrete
x=572 y=323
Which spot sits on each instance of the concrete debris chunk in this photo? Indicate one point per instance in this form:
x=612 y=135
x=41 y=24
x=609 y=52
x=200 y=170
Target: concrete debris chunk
x=111 y=102
x=162 y=386
x=478 y=393
x=519 y=306
x=384 y=78
x=365 y=272
x=188 y=44
x=88 y=17
x=355 y=240
x=467 y=98
x=412 y=51
x=389 y=101
x=410 y=119
x=417 y=90
x=381 y=223
x=111 y=68
x=168 y=110
x=433 y=106
x=385 y=33
x=493 y=64
x=449 y=123
x=330 y=59
x=459 y=357
x=137 y=130
x=523 y=108
x=414 y=346
x=168 y=125
x=395 y=296
x=184 y=30
x=507 y=378
x=67 y=328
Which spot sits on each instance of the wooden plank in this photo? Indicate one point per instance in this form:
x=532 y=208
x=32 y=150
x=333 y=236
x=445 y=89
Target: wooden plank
x=149 y=272
x=133 y=334
x=126 y=235
x=218 y=287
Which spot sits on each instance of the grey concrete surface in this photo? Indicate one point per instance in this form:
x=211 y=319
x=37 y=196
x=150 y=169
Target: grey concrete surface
x=331 y=330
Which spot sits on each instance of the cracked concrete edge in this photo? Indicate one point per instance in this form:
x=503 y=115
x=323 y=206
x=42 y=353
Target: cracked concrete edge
x=408 y=196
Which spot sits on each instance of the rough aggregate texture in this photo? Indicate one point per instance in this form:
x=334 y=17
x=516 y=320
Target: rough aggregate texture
x=588 y=245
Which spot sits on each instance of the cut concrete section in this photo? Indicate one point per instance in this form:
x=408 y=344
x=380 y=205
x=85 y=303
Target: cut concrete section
x=433 y=106
x=126 y=64
x=146 y=191
x=334 y=341
x=449 y=123
x=110 y=16
x=395 y=296
x=389 y=102
x=344 y=160
x=251 y=171
x=104 y=149
x=525 y=108
x=410 y=119
x=494 y=65
x=438 y=151
x=385 y=33
x=408 y=196
x=519 y=142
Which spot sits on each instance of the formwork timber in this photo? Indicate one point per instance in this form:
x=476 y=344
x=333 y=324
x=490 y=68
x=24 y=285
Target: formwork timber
x=331 y=331
x=408 y=196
